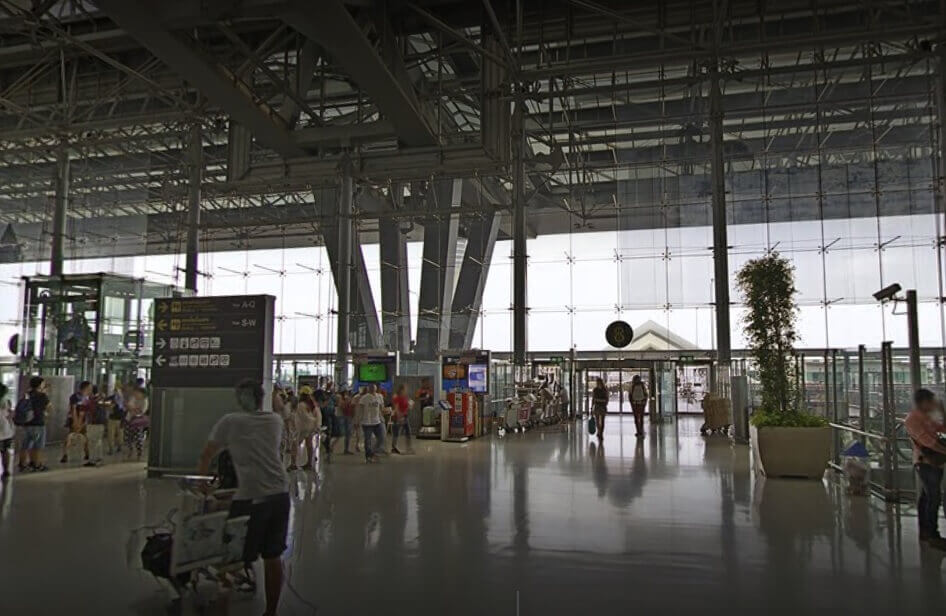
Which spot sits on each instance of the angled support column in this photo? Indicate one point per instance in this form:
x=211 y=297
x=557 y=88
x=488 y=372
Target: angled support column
x=395 y=299
x=363 y=331
x=195 y=164
x=59 y=215
x=438 y=269
x=468 y=298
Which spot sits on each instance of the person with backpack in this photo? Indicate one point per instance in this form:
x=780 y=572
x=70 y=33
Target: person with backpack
x=30 y=413
x=7 y=431
x=638 y=403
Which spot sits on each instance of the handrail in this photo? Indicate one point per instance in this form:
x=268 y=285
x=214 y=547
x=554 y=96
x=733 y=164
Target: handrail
x=879 y=437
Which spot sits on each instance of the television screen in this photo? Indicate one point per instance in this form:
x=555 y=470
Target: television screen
x=454 y=372
x=477 y=380
x=372 y=372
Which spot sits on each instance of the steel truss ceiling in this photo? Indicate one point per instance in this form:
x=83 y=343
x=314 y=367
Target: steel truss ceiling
x=616 y=101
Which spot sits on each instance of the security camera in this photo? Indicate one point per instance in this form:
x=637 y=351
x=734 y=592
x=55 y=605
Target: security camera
x=887 y=293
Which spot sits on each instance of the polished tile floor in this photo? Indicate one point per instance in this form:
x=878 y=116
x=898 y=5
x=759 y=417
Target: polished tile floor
x=549 y=521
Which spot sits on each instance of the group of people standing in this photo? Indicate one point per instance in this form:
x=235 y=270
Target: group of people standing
x=101 y=422
x=95 y=422
x=317 y=418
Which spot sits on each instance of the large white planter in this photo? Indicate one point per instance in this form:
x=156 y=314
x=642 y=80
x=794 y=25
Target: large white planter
x=791 y=452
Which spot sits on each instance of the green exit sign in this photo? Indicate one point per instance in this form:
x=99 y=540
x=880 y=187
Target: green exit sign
x=557 y=360
x=685 y=359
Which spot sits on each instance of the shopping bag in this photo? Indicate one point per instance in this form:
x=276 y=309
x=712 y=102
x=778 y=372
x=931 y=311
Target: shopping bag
x=592 y=425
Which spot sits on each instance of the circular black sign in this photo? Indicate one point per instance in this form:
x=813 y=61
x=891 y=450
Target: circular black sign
x=619 y=334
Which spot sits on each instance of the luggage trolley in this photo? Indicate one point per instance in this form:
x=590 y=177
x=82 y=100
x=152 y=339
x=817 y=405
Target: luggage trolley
x=198 y=549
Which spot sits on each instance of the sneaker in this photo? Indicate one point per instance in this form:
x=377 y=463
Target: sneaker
x=292 y=467
x=89 y=463
x=394 y=450
x=42 y=468
x=64 y=460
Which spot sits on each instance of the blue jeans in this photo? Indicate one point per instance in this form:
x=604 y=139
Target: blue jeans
x=345 y=426
x=400 y=425
x=377 y=430
x=927 y=506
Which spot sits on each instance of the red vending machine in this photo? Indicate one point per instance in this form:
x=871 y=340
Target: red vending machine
x=462 y=413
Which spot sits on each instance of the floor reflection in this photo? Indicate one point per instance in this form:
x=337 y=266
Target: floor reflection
x=672 y=521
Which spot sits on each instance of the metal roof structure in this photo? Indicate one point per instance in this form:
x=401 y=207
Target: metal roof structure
x=616 y=109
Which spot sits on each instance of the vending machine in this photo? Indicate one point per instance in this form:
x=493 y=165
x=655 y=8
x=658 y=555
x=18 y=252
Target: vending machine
x=463 y=411
x=465 y=377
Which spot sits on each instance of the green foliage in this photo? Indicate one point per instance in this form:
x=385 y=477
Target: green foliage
x=768 y=288
x=792 y=419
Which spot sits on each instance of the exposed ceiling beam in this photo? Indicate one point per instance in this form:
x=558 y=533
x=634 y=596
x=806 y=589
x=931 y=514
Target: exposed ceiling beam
x=332 y=26
x=213 y=80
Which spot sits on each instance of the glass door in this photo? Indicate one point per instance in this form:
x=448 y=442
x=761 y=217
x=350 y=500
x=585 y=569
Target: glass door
x=667 y=390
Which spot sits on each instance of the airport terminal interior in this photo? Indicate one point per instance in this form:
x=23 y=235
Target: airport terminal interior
x=472 y=306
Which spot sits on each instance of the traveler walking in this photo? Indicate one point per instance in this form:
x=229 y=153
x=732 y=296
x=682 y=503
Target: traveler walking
x=401 y=403
x=372 y=424
x=252 y=437
x=347 y=418
x=599 y=405
x=638 y=403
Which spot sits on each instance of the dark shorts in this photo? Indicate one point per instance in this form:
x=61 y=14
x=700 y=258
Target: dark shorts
x=267 y=528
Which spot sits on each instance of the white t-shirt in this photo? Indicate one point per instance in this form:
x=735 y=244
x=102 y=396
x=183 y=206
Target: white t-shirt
x=371 y=409
x=7 y=428
x=637 y=393
x=253 y=440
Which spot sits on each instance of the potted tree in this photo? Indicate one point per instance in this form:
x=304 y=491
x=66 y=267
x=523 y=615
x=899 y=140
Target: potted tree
x=785 y=441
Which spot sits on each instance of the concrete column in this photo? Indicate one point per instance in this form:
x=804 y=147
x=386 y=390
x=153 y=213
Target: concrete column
x=195 y=169
x=59 y=215
x=343 y=271
x=520 y=333
x=720 y=239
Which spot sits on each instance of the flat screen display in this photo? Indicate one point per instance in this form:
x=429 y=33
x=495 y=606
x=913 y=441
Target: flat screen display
x=372 y=372
x=477 y=378
x=454 y=372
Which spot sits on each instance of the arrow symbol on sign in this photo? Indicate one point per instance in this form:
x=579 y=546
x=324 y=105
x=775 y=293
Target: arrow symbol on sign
x=161 y=343
x=162 y=325
x=160 y=361
x=162 y=308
